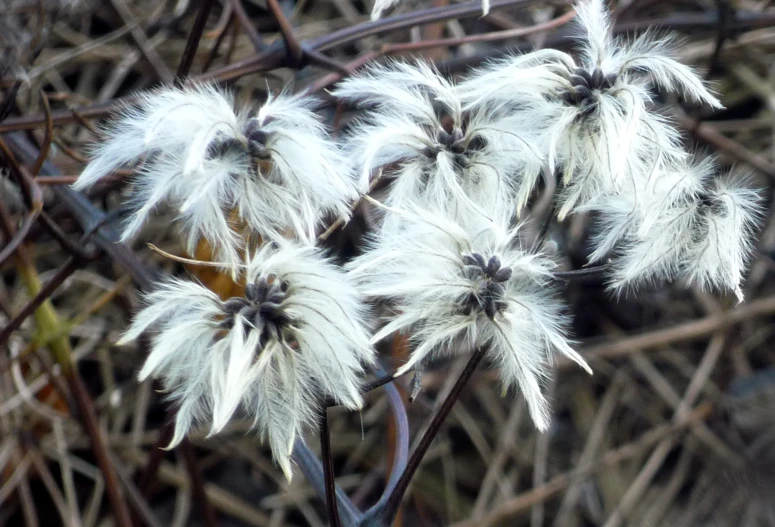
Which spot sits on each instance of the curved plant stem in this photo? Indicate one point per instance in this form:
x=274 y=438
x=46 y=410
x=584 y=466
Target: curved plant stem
x=387 y=514
x=272 y=55
x=400 y=454
x=312 y=468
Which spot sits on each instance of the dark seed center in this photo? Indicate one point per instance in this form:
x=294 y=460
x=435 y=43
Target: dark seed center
x=257 y=139
x=491 y=278
x=261 y=309
x=254 y=143
x=585 y=88
x=456 y=143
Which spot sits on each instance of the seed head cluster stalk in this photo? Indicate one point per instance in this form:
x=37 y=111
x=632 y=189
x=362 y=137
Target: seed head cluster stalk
x=452 y=167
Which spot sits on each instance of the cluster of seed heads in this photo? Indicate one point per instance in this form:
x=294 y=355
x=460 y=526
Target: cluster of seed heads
x=261 y=309
x=585 y=86
x=490 y=280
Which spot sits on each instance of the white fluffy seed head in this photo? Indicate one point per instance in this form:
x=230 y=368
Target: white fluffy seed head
x=687 y=223
x=432 y=152
x=297 y=337
x=653 y=186
x=276 y=172
x=449 y=289
x=306 y=163
x=725 y=238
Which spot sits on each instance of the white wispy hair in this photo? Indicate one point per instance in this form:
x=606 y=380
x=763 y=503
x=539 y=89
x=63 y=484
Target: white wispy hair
x=656 y=189
x=277 y=169
x=380 y=6
x=436 y=153
x=725 y=236
x=450 y=288
x=594 y=113
x=297 y=337
x=692 y=225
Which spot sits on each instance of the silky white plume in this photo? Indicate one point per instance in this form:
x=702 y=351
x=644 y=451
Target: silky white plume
x=275 y=171
x=724 y=241
x=450 y=289
x=657 y=188
x=690 y=224
x=296 y=338
x=433 y=152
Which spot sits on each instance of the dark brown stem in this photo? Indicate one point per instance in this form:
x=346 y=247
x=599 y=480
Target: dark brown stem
x=394 y=501
x=89 y=420
x=247 y=26
x=272 y=56
x=376 y=383
x=217 y=44
x=292 y=44
x=75 y=248
x=48 y=320
x=156 y=456
x=328 y=471
x=47 y=138
x=187 y=60
x=405 y=47
x=725 y=13
x=33 y=196
x=7 y=104
x=58 y=180
x=18 y=238
x=198 y=484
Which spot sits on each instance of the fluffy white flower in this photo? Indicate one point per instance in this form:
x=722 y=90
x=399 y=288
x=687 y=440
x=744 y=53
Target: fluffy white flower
x=594 y=113
x=296 y=338
x=694 y=226
x=277 y=170
x=434 y=153
x=451 y=289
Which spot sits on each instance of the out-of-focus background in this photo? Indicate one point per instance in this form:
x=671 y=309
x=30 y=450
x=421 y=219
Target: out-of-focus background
x=675 y=428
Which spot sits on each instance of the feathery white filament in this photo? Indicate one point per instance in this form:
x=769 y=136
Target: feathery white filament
x=724 y=241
